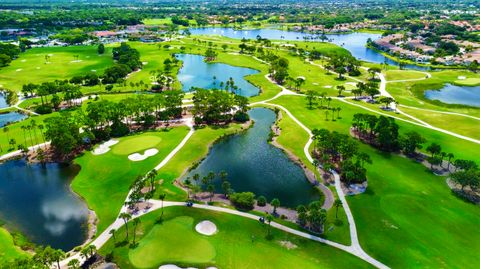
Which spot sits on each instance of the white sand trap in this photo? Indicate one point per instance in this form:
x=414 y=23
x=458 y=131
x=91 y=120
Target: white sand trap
x=140 y=157
x=144 y=63
x=351 y=83
x=206 y=227
x=76 y=61
x=104 y=147
x=328 y=86
x=18 y=70
x=37 y=68
x=315 y=83
x=462 y=77
x=173 y=266
x=301 y=77
x=93 y=70
x=23 y=60
x=50 y=55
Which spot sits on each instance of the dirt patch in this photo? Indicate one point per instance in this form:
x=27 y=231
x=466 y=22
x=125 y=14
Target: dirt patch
x=288 y=245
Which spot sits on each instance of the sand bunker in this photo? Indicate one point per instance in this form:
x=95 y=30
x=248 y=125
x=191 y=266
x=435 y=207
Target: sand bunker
x=140 y=157
x=351 y=83
x=104 y=147
x=206 y=227
x=173 y=266
x=328 y=86
x=18 y=70
x=76 y=61
x=462 y=77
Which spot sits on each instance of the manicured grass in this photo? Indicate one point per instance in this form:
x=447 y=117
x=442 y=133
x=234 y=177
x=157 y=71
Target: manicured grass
x=189 y=245
x=468 y=82
x=405 y=204
x=8 y=250
x=31 y=66
x=403 y=74
x=239 y=243
x=136 y=144
x=104 y=180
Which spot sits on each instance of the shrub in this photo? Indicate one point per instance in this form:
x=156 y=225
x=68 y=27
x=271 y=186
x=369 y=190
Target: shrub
x=241 y=116
x=243 y=200
x=261 y=201
x=43 y=109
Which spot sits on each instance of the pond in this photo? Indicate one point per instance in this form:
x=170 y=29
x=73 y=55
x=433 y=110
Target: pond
x=36 y=200
x=452 y=94
x=11 y=117
x=195 y=72
x=3 y=102
x=354 y=42
x=253 y=164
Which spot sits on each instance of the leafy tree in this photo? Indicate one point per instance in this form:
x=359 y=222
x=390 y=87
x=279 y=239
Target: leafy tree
x=101 y=49
x=243 y=200
x=411 y=142
x=337 y=204
x=275 y=203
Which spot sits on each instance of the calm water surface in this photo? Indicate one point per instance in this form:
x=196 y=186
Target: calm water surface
x=255 y=165
x=11 y=117
x=36 y=200
x=353 y=42
x=452 y=94
x=195 y=72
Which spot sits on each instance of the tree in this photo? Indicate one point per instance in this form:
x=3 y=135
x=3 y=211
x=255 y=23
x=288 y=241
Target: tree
x=226 y=187
x=101 y=48
x=243 y=200
x=125 y=217
x=373 y=71
x=210 y=55
x=112 y=232
x=311 y=96
x=434 y=149
x=136 y=222
x=450 y=156
x=337 y=204
x=211 y=190
x=410 y=142
x=74 y=264
x=269 y=219
x=57 y=256
x=261 y=201
x=275 y=203
x=340 y=89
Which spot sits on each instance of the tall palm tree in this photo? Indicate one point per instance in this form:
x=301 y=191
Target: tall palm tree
x=33 y=125
x=6 y=130
x=112 y=232
x=135 y=224
x=126 y=217
x=162 y=196
x=337 y=204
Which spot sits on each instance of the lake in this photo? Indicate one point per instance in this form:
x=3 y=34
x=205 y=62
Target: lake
x=195 y=72
x=36 y=200
x=11 y=117
x=3 y=102
x=354 y=42
x=452 y=94
x=255 y=165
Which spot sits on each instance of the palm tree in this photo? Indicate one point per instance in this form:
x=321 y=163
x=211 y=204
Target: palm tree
x=162 y=196
x=326 y=114
x=337 y=204
x=269 y=219
x=12 y=143
x=151 y=176
x=41 y=127
x=33 y=125
x=450 y=156
x=338 y=112
x=211 y=190
x=112 y=232
x=136 y=222
x=275 y=203
x=74 y=264
x=58 y=255
x=6 y=130
x=126 y=217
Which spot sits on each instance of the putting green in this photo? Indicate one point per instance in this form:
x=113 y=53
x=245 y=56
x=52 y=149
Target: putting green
x=136 y=144
x=468 y=82
x=189 y=245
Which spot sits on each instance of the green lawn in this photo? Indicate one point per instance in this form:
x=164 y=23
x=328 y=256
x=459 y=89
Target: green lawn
x=176 y=241
x=8 y=250
x=32 y=67
x=406 y=205
x=403 y=75
x=468 y=82
x=104 y=180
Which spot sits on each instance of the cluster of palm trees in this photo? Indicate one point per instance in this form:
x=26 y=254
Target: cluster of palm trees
x=312 y=217
x=206 y=183
x=335 y=151
x=29 y=130
x=312 y=98
x=370 y=88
